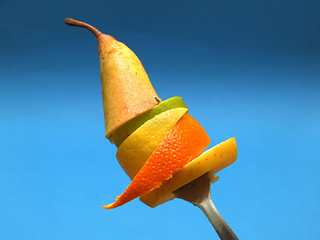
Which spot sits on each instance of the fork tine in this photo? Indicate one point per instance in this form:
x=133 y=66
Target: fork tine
x=197 y=192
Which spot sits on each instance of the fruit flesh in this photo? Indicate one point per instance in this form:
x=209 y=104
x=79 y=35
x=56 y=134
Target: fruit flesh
x=125 y=130
x=212 y=160
x=137 y=148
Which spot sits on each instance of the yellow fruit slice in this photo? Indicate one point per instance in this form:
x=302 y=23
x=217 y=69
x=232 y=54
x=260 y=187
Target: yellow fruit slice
x=125 y=130
x=138 y=147
x=212 y=160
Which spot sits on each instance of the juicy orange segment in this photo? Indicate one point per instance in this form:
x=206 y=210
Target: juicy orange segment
x=185 y=141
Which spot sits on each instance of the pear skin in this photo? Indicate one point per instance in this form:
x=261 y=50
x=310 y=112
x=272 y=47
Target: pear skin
x=126 y=88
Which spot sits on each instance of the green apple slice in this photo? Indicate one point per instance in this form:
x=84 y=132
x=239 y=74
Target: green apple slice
x=125 y=130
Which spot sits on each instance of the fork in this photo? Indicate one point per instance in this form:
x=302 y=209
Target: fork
x=197 y=192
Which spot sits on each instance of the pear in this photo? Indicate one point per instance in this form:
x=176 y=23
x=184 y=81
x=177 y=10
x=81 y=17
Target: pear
x=126 y=88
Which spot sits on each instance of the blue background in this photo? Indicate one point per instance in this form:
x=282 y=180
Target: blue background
x=248 y=69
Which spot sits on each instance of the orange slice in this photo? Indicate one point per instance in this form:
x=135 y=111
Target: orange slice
x=212 y=160
x=185 y=141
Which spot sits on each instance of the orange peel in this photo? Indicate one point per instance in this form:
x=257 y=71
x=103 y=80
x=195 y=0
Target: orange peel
x=138 y=147
x=212 y=160
x=185 y=141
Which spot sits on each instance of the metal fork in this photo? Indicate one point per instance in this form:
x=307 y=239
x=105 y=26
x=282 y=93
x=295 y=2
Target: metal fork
x=197 y=192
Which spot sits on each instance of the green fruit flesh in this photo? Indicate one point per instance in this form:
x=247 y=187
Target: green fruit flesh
x=125 y=130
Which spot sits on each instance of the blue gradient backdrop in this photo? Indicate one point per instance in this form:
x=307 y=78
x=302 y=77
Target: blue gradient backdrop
x=248 y=69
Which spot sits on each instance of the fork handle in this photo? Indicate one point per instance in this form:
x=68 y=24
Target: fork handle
x=219 y=224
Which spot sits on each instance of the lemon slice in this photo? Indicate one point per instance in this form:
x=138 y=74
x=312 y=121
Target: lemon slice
x=212 y=160
x=138 y=147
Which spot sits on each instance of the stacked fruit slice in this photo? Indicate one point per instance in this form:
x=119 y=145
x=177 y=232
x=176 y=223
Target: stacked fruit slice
x=163 y=154
x=159 y=143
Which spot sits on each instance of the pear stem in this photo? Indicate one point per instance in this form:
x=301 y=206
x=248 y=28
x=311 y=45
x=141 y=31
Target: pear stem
x=72 y=22
x=157 y=99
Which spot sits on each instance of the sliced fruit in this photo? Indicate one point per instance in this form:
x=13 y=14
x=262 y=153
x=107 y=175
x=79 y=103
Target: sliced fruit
x=212 y=160
x=138 y=147
x=185 y=141
x=125 y=130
